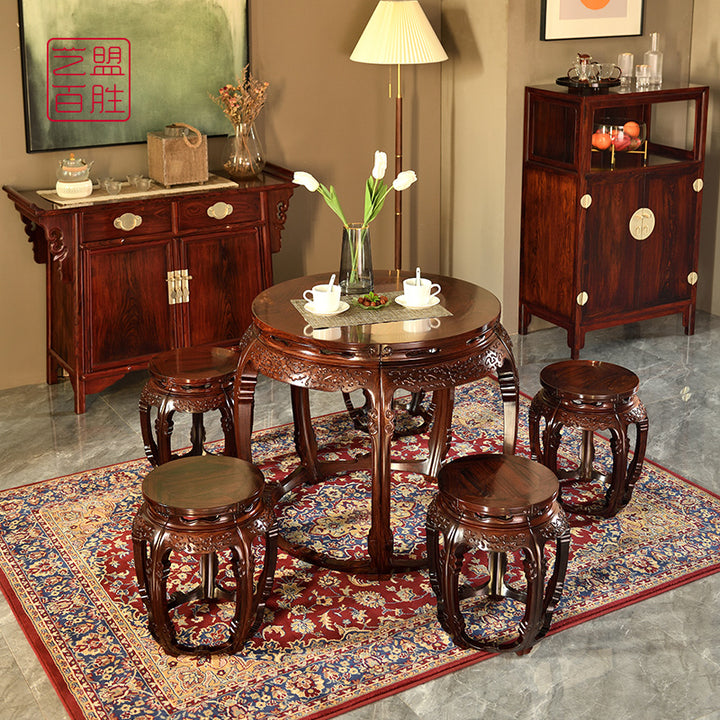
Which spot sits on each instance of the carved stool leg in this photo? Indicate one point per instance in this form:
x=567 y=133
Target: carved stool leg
x=197 y=434
x=445 y=566
x=228 y=424
x=636 y=465
x=158 y=607
x=151 y=449
x=554 y=589
x=164 y=429
x=616 y=489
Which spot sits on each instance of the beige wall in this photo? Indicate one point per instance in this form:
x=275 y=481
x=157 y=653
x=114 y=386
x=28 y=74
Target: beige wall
x=705 y=69
x=327 y=115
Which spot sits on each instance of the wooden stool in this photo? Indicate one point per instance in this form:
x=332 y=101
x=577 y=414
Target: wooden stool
x=592 y=396
x=194 y=380
x=202 y=506
x=497 y=503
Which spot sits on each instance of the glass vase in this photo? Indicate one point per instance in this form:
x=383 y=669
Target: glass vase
x=244 y=156
x=356 y=271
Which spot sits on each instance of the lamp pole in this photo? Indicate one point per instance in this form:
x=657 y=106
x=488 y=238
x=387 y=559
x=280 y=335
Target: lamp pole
x=398 y=170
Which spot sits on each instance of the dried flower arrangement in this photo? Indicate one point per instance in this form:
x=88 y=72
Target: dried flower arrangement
x=243 y=102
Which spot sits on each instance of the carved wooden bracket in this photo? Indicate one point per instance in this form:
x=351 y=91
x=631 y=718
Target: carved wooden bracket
x=59 y=252
x=278 y=204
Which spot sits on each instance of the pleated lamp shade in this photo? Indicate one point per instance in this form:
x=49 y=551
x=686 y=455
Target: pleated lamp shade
x=398 y=33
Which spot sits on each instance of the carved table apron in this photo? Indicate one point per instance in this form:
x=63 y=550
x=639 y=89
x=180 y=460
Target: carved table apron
x=378 y=358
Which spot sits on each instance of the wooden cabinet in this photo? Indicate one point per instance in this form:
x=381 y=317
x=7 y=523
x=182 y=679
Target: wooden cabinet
x=130 y=277
x=610 y=238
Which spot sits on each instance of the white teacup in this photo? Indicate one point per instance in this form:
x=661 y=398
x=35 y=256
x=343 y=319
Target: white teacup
x=419 y=295
x=324 y=298
x=332 y=333
x=422 y=325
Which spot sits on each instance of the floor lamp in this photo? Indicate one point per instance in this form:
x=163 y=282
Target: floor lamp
x=398 y=33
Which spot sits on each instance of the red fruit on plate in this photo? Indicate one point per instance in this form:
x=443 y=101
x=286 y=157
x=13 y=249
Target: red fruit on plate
x=632 y=129
x=635 y=143
x=601 y=140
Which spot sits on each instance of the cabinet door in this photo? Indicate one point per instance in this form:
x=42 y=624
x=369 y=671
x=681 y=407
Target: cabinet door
x=226 y=272
x=667 y=256
x=127 y=316
x=610 y=253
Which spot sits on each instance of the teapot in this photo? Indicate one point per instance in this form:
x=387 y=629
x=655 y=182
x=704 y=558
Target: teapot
x=72 y=169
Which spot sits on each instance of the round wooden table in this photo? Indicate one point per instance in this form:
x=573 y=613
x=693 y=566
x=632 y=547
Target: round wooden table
x=378 y=358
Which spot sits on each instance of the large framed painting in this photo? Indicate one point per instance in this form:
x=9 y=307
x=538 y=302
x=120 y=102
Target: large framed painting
x=108 y=73
x=570 y=19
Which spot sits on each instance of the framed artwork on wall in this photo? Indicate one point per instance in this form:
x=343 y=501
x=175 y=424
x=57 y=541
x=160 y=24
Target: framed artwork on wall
x=570 y=19
x=107 y=74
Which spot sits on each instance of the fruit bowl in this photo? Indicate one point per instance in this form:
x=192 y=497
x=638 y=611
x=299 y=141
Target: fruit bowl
x=617 y=136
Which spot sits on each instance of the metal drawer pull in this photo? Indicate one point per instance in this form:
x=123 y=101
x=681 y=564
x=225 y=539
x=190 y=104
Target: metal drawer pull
x=127 y=221
x=219 y=210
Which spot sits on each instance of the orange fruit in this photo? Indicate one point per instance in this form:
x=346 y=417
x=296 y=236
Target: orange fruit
x=601 y=140
x=631 y=129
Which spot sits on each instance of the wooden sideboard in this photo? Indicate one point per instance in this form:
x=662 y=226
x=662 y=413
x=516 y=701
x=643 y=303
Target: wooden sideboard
x=128 y=277
x=605 y=245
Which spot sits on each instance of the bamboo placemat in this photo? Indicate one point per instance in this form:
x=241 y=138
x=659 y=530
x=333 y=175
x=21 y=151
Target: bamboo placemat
x=358 y=315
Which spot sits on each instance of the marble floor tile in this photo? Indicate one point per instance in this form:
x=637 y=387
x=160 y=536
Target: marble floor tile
x=656 y=660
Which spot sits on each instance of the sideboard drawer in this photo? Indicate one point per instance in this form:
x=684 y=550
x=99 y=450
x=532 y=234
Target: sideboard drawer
x=122 y=219
x=207 y=211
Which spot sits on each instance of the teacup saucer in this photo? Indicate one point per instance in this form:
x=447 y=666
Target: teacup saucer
x=310 y=307
x=400 y=300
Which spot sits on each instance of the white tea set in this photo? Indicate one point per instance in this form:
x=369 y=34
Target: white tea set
x=418 y=293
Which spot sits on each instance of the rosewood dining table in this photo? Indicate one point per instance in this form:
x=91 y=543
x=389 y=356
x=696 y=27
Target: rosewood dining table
x=465 y=343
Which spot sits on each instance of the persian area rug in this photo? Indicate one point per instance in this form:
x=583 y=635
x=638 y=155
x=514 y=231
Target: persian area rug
x=330 y=641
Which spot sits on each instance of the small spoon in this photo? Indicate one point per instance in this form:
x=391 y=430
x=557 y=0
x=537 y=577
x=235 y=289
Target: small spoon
x=417 y=276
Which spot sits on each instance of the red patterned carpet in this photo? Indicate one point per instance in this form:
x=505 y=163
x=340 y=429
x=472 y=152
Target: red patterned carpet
x=330 y=641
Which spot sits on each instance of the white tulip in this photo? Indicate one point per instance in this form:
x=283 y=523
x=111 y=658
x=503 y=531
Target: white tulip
x=404 y=180
x=380 y=165
x=307 y=180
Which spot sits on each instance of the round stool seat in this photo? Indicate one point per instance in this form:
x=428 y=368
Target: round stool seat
x=203 y=506
x=497 y=485
x=192 y=380
x=589 y=381
x=193 y=366
x=497 y=503
x=590 y=395
x=200 y=489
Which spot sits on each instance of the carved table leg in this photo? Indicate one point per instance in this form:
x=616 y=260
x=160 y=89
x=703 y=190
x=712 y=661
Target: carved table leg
x=305 y=441
x=439 y=437
x=381 y=426
x=244 y=401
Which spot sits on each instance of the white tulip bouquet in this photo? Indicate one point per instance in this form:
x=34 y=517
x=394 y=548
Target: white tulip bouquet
x=376 y=190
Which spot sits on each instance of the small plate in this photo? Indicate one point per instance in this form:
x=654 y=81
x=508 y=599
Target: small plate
x=371 y=307
x=400 y=300
x=309 y=307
